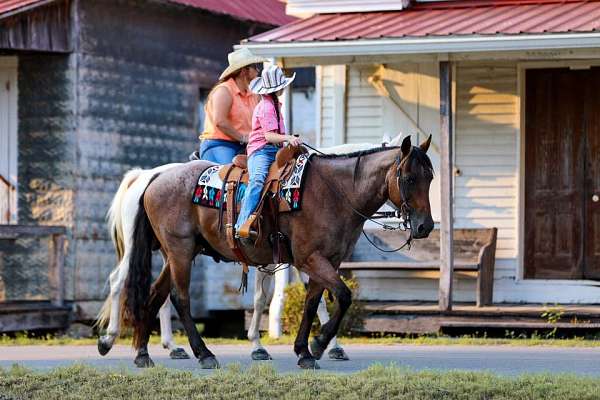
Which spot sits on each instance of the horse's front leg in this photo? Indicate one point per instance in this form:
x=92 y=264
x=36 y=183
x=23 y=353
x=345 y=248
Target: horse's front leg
x=262 y=285
x=336 y=352
x=313 y=295
x=320 y=269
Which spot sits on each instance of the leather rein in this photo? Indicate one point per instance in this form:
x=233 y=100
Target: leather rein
x=402 y=213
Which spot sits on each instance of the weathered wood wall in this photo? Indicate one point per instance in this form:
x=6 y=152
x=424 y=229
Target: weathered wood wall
x=46 y=165
x=46 y=28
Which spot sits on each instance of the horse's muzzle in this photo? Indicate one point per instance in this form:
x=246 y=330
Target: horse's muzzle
x=421 y=227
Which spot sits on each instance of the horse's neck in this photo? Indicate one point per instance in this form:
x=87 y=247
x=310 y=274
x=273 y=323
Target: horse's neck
x=367 y=190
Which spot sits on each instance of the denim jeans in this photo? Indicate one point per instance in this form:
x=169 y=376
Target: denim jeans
x=258 y=168
x=219 y=151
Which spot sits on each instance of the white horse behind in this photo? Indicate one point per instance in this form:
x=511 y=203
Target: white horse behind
x=121 y=215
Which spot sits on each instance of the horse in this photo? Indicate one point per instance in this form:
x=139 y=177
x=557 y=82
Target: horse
x=120 y=217
x=341 y=192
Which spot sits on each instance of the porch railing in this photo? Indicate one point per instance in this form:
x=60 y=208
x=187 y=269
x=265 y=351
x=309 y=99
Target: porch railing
x=56 y=264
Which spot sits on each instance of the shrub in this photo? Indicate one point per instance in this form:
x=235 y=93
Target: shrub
x=293 y=310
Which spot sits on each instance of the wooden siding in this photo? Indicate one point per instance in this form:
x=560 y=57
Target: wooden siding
x=364 y=107
x=325 y=103
x=487 y=119
x=47 y=28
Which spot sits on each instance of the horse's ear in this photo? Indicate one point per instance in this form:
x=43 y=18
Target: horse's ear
x=425 y=145
x=406 y=146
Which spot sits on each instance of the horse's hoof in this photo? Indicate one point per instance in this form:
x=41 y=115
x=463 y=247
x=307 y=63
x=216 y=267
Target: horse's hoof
x=316 y=349
x=143 y=361
x=337 y=353
x=179 y=354
x=104 y=345
x=209 y=362
x=260 y=355
x=308 y=363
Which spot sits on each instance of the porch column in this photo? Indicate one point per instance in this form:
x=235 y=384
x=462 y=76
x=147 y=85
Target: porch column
x=446 y=168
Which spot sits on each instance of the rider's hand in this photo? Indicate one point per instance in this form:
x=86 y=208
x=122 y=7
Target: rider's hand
x=294 y=140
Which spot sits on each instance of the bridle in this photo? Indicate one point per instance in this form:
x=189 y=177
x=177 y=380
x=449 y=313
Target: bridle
x=402 y=213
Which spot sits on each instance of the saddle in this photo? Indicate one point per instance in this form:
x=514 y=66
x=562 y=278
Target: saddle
x=237 y=172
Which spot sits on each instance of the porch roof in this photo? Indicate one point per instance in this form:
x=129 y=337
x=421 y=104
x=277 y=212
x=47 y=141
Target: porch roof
x=459 y=26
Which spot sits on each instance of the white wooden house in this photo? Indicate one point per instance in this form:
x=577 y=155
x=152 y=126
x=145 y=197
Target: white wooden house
x=523 y=146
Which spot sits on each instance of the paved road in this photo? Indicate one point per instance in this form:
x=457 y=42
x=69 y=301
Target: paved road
x=498 y=359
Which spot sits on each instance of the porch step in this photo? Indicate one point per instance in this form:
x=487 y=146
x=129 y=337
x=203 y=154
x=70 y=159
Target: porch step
x=33 y=315
x=424 y=318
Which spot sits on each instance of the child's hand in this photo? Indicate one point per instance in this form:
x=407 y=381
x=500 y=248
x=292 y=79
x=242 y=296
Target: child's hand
x=294 y=140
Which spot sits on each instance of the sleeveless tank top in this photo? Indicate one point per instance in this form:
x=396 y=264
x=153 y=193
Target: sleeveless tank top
x=240 y=114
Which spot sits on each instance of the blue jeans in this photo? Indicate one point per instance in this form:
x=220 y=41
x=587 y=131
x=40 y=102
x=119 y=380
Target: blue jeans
x=258 y=168
x=219 y=151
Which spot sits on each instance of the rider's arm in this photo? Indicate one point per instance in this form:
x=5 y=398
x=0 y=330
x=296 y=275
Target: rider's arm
x=222 y=101
x=276 y=138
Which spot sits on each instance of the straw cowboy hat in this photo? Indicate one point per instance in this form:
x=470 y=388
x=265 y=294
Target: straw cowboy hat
x=271 y=80
x=239 y=59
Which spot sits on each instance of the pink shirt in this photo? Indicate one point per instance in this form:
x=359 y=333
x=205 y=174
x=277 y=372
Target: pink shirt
x=264 y=120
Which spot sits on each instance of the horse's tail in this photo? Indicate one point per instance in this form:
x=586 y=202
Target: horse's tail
x=139 y=278
x=115 y=227
x=114 y=217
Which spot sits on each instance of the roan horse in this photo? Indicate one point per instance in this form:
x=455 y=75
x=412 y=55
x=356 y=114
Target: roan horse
x=121 y=216
x=341 y=192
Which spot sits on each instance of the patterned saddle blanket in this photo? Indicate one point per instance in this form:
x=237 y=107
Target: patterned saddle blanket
x=210 y=190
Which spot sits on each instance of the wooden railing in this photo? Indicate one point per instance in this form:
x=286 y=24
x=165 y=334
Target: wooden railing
x=11 y=189
x=56 y=267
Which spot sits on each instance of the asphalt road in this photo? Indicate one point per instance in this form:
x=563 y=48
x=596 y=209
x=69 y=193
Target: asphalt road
x=498 y=359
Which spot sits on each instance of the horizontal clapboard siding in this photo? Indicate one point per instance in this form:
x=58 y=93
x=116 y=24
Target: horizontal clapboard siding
x=326 y=104
x=486 y=153
x=364 y=107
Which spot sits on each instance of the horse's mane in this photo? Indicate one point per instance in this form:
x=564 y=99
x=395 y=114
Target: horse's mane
x=358 y=153
x=418 y=154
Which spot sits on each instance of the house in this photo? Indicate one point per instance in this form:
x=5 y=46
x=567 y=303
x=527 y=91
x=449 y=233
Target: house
x=89 y=90
x=515 y=83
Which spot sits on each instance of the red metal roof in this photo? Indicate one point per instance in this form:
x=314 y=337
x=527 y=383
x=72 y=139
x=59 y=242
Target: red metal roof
x=270 y=12
x=499 y=17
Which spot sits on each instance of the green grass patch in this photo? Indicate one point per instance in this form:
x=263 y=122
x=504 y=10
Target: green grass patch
x=263 y=382
x=181 y=338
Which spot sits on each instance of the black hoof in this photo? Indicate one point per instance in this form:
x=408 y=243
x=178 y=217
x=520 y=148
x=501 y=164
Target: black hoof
x=209 y=362
x=260 y=355
x=143 y=361
x=179 y=354
x=104 y=346
x=337 y=353
x=308 y=363
x=316 y=348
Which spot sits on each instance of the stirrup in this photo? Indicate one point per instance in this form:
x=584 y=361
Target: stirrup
x=245 y=231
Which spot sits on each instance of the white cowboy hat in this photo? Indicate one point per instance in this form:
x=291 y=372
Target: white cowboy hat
x=239 y=59
x=271 y=80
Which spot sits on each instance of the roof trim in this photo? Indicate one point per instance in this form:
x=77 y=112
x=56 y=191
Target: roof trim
x=425 y=45
x=25 y=8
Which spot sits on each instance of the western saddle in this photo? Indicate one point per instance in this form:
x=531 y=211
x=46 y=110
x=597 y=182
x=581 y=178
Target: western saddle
x=237 y=172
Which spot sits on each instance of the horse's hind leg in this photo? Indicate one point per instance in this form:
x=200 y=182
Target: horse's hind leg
x=158 y=294
x=181 y=253
x=262 y=285
x=166 y=333
x=117 y=282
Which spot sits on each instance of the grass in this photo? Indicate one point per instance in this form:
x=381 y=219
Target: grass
x=25 y=340
x=263 y=382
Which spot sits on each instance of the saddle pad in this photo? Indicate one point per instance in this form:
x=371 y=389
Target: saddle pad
x=209 y=189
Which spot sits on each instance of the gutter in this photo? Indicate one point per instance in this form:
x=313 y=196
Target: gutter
x=425 y=45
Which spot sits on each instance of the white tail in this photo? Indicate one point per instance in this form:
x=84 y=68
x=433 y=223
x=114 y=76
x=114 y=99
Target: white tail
x=115 y=227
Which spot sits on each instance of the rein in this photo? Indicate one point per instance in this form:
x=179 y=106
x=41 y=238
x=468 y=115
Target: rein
x=403 y=212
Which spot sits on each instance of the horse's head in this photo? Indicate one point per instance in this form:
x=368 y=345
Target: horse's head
x=408 y=184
